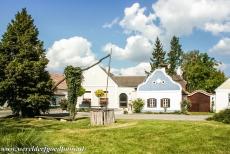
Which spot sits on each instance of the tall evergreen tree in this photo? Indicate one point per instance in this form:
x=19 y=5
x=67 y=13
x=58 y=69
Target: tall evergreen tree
x=174 y=56
x=158 y=56
x=24 y=83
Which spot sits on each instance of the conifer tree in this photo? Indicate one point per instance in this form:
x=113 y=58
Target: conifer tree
x=24 y=82
x=174 y=56
x=158 y=56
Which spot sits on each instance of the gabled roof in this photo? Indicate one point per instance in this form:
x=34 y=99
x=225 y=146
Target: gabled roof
x=128 y=81
x=121 y=81
x=58 y=77
x=159 y=80
x=225 y=85
x=200 y=91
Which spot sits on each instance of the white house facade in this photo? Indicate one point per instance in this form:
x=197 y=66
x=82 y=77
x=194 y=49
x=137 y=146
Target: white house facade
x=122 y=90
x=223 y=96
x=160 y=92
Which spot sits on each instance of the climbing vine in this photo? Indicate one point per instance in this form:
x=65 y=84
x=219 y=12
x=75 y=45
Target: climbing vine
x=73 y=77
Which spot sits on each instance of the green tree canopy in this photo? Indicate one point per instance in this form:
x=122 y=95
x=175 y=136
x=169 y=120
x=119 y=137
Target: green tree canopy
x=174 y=56
x=200 y=71
x=24 y=83
x=158 y=56
x=73 y=80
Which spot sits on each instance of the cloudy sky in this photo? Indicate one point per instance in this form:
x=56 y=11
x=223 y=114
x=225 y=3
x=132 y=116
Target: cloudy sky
x=78 y=32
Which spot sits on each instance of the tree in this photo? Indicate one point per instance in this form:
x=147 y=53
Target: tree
x=174 y=56
x=200 y=71
x=25 y=84
x=158 y=56
x=74 y=78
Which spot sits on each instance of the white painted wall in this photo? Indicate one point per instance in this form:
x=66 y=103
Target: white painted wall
x=222 y=99
x=129 y=91
x=94 y=79
x=174 y=96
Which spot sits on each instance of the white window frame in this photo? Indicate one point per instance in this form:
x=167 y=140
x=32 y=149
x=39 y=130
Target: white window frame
x=165 y=102
x=151 y=102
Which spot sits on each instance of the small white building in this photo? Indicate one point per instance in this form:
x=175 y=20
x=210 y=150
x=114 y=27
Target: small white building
x=122 y=90
x=223 y=96
x=160 y=92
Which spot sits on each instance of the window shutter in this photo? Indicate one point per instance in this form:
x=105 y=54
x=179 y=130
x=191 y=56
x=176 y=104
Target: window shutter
x=168 y=102
x=161 y=102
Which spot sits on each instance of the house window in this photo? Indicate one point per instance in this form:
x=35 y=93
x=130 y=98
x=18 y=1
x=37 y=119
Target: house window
x=86 y=102
x=151 y=103
x=123 y=99
x=165 y=102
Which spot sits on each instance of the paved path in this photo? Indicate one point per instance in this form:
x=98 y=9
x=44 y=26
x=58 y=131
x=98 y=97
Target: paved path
x=4 y=113
x=163 y=117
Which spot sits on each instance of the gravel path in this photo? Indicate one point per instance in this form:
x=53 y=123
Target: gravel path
x=163 y=117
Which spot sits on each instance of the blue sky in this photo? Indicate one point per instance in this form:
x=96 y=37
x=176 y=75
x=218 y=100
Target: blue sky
x=96 y=26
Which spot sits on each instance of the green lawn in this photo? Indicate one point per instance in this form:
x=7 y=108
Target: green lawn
x=125 y=136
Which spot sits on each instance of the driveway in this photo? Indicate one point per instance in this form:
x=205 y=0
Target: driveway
x=163 y=117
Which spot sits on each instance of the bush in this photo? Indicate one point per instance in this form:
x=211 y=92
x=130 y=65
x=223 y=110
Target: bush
x=185 y=105
x=138 y=105
x=63 y=104
x=222 y=116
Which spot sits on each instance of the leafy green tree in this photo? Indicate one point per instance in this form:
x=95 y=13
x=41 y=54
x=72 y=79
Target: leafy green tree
x=174 y=56
x=200 y=71
x=158 y=56
x=24 y=83
x=73 y=80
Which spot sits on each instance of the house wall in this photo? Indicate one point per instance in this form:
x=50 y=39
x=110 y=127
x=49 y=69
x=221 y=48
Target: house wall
x=200 y=102
x=222 y=99
x=160 y=85
x=94 y=79
x=174 y=96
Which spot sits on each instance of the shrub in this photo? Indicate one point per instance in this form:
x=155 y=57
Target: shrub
x=138 y=105
x=222 y=116
x=63 y=104
x=185 y=105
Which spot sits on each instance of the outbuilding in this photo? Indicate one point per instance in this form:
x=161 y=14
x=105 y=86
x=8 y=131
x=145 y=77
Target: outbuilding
x=223 y=96
x=201 y=101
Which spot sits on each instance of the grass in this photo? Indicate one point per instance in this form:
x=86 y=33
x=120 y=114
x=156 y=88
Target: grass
x=125 y=136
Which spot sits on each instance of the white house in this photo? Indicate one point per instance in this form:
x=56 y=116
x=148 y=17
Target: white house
x=160 y=92
x=223 y=96
x=122 y=90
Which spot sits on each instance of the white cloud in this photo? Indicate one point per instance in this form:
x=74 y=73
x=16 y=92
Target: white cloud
x=138 y=48
x=180 y=17
x=138 y=70
x=74 y=51
x=222 y=47
x=111 y=24
x=136 y=21
x=217 y=28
